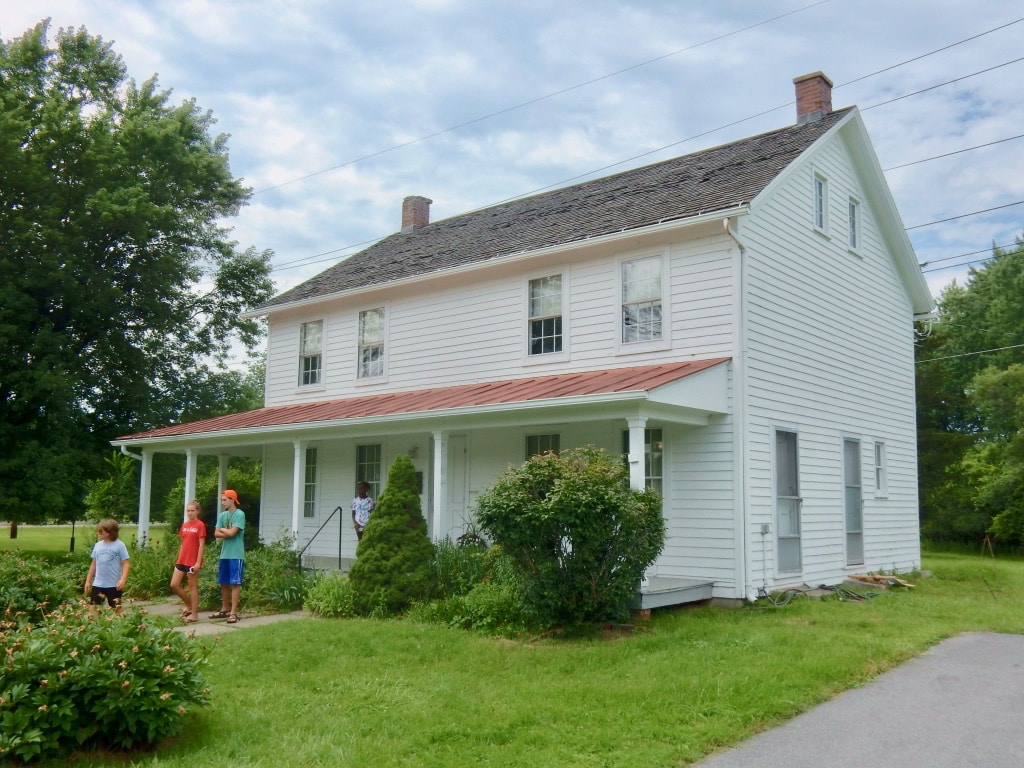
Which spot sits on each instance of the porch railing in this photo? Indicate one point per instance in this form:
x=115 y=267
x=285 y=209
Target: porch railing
x=318 y=530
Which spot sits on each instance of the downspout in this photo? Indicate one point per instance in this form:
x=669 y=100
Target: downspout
x=739 y=414
x=129 y=454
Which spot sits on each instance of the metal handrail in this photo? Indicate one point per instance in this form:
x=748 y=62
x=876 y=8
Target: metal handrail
x=322 y=526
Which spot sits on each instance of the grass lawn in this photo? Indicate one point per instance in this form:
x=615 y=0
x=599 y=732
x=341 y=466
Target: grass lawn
x=390 y=693
x=55 y=539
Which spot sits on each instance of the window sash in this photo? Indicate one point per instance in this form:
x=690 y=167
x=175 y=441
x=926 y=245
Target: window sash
x=368 y=467
x=820 y=202
x=371 y=343
x=854 y=214
x=310 y=349
x=309 y=484
x=641 y=300
x=538 y=445
x=545 y=315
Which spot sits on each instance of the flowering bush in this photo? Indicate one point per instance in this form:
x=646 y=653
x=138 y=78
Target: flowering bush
x=77 y=680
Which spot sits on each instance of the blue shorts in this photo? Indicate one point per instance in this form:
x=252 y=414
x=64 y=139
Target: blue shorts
x=230 y=571
x=111 y=594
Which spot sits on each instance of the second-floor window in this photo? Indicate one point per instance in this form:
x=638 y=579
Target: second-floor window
x=853 y=239
x=371 y=343
x=545 y=324
x=820 y=201
x=641 y=299
x=310 y=352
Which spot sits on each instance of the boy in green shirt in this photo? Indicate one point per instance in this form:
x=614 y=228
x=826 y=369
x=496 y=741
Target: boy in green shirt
x=230 y=529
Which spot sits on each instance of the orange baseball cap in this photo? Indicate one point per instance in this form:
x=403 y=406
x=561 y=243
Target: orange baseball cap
x=230 y=494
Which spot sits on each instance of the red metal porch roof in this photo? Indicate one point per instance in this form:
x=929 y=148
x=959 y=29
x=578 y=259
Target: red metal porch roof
x=609 y=381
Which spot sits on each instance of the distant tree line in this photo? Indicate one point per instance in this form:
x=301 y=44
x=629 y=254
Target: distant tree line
x=970 y=407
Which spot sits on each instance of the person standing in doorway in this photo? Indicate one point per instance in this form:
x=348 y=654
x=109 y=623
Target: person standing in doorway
x=190 y=559
x=362 y=506
x=230 y=530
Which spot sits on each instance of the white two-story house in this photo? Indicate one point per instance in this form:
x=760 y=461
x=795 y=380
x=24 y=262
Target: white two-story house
x=738 y=323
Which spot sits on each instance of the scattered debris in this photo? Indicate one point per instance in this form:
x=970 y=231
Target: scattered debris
x=880 y=579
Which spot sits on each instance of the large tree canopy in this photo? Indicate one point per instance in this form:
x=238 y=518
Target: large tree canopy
x=117 y=277
x=971 y=404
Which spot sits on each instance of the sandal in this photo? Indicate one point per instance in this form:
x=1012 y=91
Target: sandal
x=186 y=613
x=220 y=615
x=189 y=620
x=233 y=618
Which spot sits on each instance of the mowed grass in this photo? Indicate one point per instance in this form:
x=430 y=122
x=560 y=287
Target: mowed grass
x=320 y=692
x=52 y=540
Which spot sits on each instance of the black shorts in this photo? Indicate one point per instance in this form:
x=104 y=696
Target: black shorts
x=183 y=568
x=111 y=594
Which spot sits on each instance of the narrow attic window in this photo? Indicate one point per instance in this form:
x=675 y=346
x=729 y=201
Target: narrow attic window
x=545 y=322
x=310 y=352
x=371 y=343
x=641 y=299
x=853 y=215
x=820 y=189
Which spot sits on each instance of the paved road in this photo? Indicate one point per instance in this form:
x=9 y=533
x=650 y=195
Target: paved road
x=959 y=705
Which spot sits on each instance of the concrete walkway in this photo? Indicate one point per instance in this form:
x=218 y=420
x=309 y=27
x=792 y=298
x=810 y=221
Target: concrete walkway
x=959 y=705
x=208 y=626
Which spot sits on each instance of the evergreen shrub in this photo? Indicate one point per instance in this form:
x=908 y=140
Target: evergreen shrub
x=330 y=595
x=394 y=558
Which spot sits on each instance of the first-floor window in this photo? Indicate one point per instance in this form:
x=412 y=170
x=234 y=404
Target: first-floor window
x=537 y=445
x=371 y=343
x=368 y=467
x=641 y=299
x=309 y=485
x=787 y=501
x=310 y=352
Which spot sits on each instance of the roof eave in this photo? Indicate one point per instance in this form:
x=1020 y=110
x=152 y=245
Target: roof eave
x=664 y=225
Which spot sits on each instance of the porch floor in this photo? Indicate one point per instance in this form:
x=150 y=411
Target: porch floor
x=661 y=591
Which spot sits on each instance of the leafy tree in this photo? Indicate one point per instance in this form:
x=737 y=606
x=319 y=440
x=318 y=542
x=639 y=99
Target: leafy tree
x=117 y=494
x=394 y=559
x=579 y=535
x=965 y=428
x=244 y=476
x=117 y=278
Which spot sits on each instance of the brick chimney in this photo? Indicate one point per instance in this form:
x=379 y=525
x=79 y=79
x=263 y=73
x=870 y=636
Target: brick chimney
x=813 y=97
x=415 y=213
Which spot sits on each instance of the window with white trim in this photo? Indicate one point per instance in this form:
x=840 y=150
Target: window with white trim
x=371 y=343
x=820 y=201
x=545 y=310
x=853 y=224
x=880 y=473
x=538 y=445
x=368 y=467
x=641 y=300
x=309 y=485
x=310 y=352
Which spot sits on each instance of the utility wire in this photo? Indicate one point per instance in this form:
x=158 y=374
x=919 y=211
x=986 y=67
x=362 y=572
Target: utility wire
x=956 y=152
x=316 y=258
x=545 y=97
x=968 y=354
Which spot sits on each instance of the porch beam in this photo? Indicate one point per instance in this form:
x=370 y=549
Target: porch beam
x=635 y=457
x=145 y=493
x=298 y=478
x=191 y=460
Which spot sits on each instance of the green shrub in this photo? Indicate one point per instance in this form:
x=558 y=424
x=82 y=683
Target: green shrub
x=78 y=680
x=273 y=578
x=393 y=559
x=331 y=596
x=30 y=587
x=458 y=567
x=579 y=536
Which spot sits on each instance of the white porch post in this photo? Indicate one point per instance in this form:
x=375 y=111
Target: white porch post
x=440 y=483
x=145 y=492
x=222 y=474
x=190 y=480
x=298 y=479
x=637 y=470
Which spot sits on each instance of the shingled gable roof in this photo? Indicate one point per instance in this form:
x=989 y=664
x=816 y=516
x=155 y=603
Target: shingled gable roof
x=635 y=380
x=712 y=180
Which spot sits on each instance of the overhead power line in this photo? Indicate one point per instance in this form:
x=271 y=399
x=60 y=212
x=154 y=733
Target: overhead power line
x=545 y=97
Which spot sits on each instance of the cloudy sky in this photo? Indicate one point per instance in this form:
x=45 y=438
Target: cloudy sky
x=338 y=109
